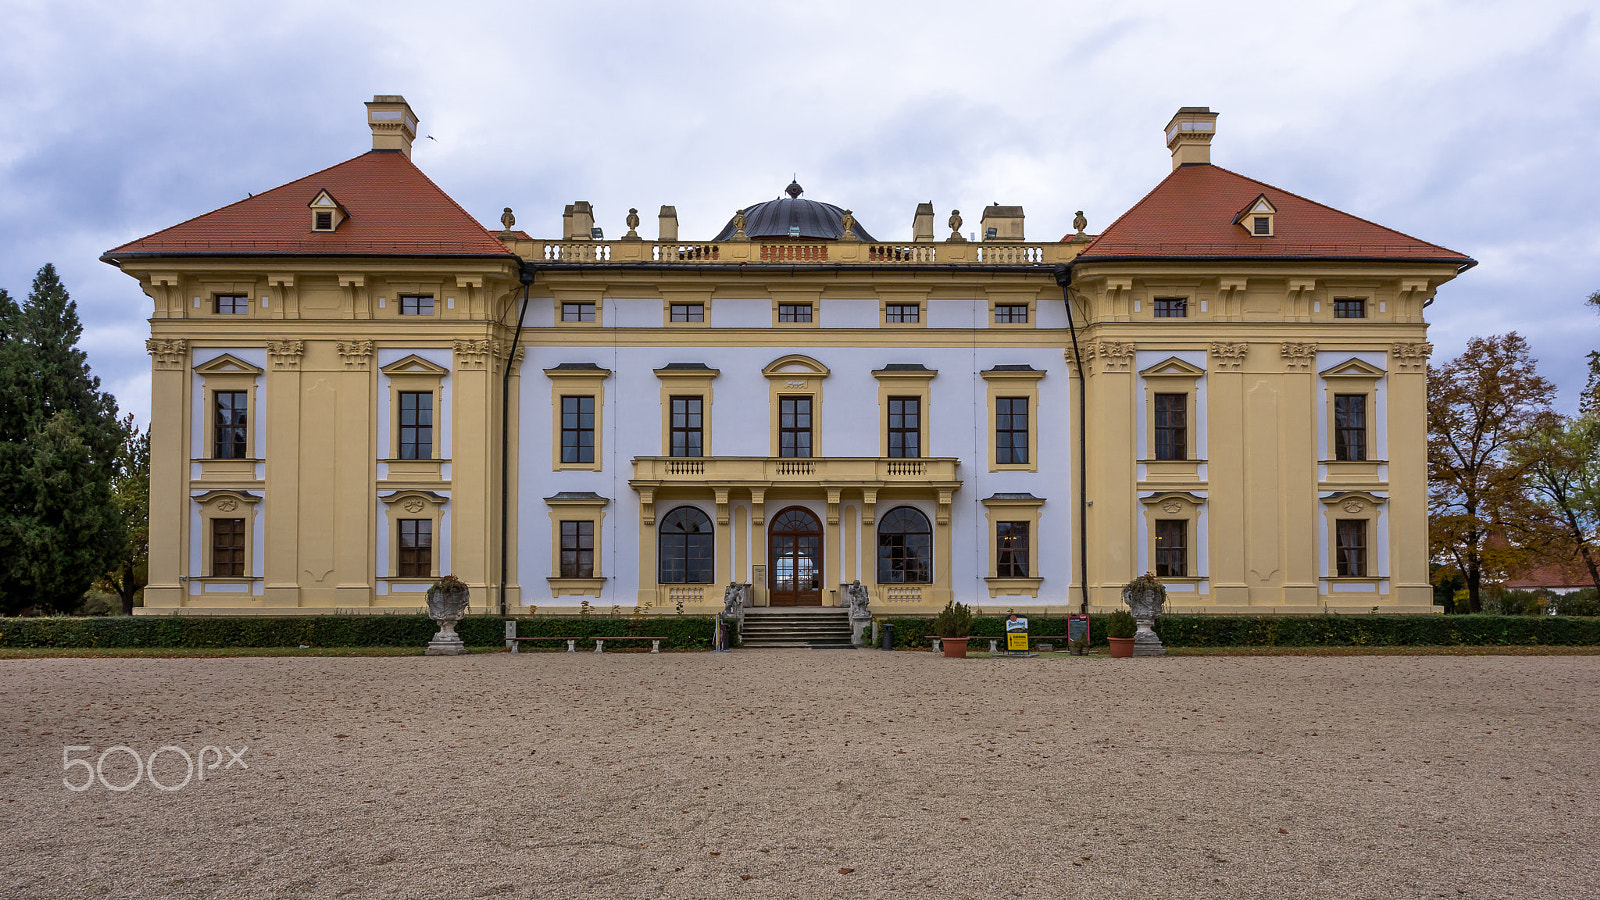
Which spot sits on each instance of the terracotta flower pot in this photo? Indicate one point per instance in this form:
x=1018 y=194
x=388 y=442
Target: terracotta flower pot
x=1122 y=647
x=955 y=648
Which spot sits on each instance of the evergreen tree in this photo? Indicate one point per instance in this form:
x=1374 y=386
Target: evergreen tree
x=59 y=438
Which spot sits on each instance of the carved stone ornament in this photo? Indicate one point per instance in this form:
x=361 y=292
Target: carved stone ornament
x=447 y=606
x=633 y=225
x=738 y=227
x=1117 y=354
x=227 y=504
x=1172 y=506
x=167 y=353
x=414 y=505
x=1079 y=222
x=955 y=225
x=1298 y=357
x=473 y=355
x=1411 y=357
x=1228 y=357
x=507 y=220
x=848 y=224
x=286 y=354
x=356 y=355
x=1353 y=506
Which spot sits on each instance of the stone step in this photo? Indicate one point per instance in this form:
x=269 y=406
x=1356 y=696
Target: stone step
x=803 y=628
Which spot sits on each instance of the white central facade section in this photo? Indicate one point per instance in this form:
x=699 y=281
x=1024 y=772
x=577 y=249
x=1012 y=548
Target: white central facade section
x=930 y=460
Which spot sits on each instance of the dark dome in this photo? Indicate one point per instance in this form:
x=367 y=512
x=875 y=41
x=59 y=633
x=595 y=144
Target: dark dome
x=774 y=219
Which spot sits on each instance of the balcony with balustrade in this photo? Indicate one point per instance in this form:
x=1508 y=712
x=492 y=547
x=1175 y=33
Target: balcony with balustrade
x=578 y=252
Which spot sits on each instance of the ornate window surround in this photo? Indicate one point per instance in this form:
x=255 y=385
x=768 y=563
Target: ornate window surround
x=577 y=506
x=1013 y=508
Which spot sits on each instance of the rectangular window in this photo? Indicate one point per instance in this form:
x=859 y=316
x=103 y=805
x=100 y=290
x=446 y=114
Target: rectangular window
x=687 y=422
x=416 y=425
x=1350 y=427
x=227 y=548
x=1172 y=308
x=1352 y=548
x=900 y=313
x=233 y=304
x=232 y=431
x=577 y=549
x=416 y=548
x=324 y=221
x=1011 y=314
x=688 y=312
x=1172 y=426
x=1349 y=308
x=794 y=427
x=905 y=427
x=1011 y=431
x=577 y=429
x=1263 y=225
x=1011 y=544
x=577 y=312
x=416 y=304
x=794 y=312
x=1172 y=548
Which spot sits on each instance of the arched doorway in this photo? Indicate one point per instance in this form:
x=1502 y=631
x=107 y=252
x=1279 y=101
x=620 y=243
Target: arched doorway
x=794 y=543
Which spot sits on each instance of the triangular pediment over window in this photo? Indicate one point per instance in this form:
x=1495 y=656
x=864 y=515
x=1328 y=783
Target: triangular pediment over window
x=414 y=365
x=1173 y=366
x=1353 y=368
x=227 y=364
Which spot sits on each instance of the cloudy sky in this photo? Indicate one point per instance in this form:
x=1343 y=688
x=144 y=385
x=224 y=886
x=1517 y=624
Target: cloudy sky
x=1471 y=125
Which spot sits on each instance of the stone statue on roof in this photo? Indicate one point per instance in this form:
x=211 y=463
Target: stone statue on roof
x=955 y=225
x=507 y=220
x=1079 y=222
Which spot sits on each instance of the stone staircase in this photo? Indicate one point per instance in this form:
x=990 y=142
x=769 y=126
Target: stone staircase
x=802 y=628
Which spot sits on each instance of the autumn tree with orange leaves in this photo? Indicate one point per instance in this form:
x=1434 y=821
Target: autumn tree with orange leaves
x=1481 y=406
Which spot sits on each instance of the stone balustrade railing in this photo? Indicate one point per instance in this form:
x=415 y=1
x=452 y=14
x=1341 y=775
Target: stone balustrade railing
x=768 y=470
x=968 y=253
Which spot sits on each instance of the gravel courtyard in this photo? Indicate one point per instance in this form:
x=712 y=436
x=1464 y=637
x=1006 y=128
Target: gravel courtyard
x=805 y=774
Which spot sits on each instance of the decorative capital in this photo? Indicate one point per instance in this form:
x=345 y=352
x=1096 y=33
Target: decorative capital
x=1411 y=357
x=473 y=355
x=1228 y=357
x=1299 y=357
x=356 y=355
x=167 y=353
x=286 y=355
x=1118 y=355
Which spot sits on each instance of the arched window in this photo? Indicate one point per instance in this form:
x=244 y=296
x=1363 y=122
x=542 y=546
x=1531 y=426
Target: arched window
x=905 y=547
x=687 y=550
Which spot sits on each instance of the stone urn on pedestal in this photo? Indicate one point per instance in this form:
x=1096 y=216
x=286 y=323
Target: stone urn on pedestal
x=447 y=603
x=1145 y=596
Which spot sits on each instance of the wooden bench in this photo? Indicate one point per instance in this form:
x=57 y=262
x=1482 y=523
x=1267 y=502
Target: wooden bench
x=515 y=643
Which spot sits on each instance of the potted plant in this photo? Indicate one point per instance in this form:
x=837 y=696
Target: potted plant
x=1120 y=629
x=953 y=625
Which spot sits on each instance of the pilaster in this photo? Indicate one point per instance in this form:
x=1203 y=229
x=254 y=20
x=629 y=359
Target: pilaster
x=169 y=471
x=282 y=508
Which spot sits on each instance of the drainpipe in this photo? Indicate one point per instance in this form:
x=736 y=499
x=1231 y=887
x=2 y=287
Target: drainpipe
x=526 y=277
x=1063 y=275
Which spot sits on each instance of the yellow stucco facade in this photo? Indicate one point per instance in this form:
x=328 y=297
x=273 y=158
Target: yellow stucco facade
x=797 y=411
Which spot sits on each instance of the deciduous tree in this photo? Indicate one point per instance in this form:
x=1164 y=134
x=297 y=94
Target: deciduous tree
x=1480 y=404
x=130 y=494
x=1561 y=462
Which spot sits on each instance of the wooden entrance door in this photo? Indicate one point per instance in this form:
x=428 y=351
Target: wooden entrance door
x=794 y=543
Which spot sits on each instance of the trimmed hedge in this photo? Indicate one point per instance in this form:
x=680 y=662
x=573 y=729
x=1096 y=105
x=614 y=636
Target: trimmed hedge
x=166 y=632
x=1302 y=631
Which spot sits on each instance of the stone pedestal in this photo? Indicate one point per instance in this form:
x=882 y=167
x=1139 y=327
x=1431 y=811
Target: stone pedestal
x=1146 y=603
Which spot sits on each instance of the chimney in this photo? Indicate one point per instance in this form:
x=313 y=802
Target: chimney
x=669 y=224
x=922 y=223
x=394 y=125
x=577 y=222
x=1189 y=136
x=1002 y=223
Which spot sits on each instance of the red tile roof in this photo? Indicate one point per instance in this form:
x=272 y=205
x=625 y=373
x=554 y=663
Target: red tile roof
x=394 y=210
x=1192 y=214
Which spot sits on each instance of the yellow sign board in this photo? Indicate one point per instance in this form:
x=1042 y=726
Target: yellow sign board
x=1017 y=641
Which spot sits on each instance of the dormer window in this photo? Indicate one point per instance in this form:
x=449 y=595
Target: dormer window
x=326 y=212
x=1257 y=217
